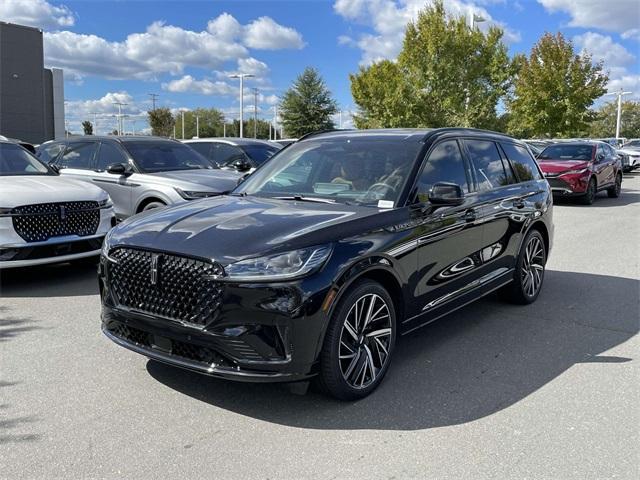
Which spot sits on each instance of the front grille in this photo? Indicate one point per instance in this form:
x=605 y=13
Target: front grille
x=175 y=289
x=40 y=222
x=558 y=183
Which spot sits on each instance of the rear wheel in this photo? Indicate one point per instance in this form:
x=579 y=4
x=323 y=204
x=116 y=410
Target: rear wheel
x=529 y=274
x=359 y=342
x=614 y=192
x=590 y=195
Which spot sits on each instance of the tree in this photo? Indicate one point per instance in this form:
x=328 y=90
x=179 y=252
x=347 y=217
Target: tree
x=446 y=75
x=210 y=122
x=554 y=90
x=87 y=126
x=307 y=106
x=161 y=122
x=604 y=124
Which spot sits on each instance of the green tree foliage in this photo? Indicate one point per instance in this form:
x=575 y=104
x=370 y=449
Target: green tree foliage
x=161 y=122
x=554 y=90
x=446 y=75
x=604 y=124
x=307 y=106
x=210 y=122
x=87 y=126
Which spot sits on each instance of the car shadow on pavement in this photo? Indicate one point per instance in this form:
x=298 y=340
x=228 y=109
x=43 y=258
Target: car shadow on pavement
x=466 y=366
x=8 y=425
x=59 y=280
x=628 y=197
x=12 y=326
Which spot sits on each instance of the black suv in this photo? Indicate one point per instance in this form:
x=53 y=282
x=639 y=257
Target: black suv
x=338 y=244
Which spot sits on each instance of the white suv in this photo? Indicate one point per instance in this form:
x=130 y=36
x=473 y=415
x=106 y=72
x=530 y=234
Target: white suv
x=45 y=218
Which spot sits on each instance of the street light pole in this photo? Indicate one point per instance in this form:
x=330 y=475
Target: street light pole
x=255 y=113
x=182 y=124
x=619 y=94
x=120 y=104
x=241 y=76
x=198 y=126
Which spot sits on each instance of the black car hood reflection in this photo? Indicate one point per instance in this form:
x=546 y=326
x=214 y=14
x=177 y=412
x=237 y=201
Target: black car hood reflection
x=229 y=229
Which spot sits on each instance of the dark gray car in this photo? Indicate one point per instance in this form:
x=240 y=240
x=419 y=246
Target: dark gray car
x=138 y=172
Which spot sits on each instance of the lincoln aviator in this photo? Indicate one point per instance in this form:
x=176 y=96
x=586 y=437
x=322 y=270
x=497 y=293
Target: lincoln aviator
x=318 y=261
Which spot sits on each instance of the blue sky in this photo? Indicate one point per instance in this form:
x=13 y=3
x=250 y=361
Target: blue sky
x=184 y=51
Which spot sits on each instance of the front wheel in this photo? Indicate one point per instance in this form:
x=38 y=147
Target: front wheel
x=152 y=205
x=359 y=342
x=614 y=192
x=529 y=274
x=590 y=195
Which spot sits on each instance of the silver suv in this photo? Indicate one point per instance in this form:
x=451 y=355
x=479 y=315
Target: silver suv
x=139 y=173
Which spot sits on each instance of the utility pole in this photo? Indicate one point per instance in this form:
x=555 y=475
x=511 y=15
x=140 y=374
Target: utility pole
x=255 y=113
x=182 y=112
x=120 y=104
x=241 y=76
x=198 y=126
x=153 y=99
x=275 y=122
x=619 y=94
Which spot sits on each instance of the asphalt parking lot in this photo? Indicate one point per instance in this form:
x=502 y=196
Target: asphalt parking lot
x=492 y=391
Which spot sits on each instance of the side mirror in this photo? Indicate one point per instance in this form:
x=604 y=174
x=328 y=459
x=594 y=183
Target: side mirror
x=445 y=193
x=241 y=165
x=117 y=169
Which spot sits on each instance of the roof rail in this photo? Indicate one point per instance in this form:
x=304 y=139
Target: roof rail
x=318 y=132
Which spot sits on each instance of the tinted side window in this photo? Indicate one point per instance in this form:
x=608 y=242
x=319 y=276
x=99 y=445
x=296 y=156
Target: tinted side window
x=48 y=153
x=78 y=155
x=444 y=164
x=224 y=153
x=522 y=162
x=108 y=155
x=203 y=149
x=490 y=172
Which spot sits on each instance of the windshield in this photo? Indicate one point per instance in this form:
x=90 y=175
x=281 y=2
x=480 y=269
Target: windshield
x=15 y=160
x=567 y=152
x=362 y=170
x=164 y=156
x=635 y=144
x=259 y=153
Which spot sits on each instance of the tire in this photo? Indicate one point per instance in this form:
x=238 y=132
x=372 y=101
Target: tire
x=152 y=205
x=529 y=272
x=590 y=194
x=614 y=192
x=356 y=353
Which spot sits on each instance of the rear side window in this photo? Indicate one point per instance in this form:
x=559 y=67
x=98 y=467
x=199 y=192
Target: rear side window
x=522 y=162
x=108 y=155
x=48 y=153
x=490 y=171
x=444 y=164
x=203 y=148
x=225 y=154
x=78 y=155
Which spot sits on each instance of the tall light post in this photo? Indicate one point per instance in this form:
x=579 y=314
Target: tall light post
x=473 y=19
x=619 y=93
x=241 y=76
x=120 y=104
x=198 y=126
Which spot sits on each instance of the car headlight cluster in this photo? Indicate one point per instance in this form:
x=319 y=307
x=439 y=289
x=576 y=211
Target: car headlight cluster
x=105 y=203
x=573 y=172
x=281 y=266
x=193 y=195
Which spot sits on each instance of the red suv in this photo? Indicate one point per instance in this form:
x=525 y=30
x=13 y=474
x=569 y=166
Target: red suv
x=582 y=169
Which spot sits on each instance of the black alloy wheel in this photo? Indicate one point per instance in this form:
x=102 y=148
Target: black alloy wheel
x=359 y=342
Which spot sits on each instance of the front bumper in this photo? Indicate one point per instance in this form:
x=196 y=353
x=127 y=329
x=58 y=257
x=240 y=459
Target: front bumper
x=261 y=333
x=572 y=184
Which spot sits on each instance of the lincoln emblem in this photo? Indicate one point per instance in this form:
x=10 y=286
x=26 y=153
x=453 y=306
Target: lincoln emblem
x=155 y=258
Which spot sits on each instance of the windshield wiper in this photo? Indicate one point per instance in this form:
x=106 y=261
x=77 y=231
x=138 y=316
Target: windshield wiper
x=303 y=198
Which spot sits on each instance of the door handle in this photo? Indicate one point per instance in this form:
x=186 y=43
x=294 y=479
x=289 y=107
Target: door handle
x=470 y=215
x=518 y=203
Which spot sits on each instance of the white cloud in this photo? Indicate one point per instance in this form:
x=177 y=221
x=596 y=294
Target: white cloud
x=166 y=48
x=203 y=87
x=265 y=34
x=389 y=18
x=602 y=47
x=104 y=111
x=36 y=13
x=631 y=34
x=614 y=15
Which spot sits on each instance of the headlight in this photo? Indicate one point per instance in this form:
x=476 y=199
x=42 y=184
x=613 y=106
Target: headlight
x=572 y=172
x=191 y=195
x=281 y=266
x=106 y=203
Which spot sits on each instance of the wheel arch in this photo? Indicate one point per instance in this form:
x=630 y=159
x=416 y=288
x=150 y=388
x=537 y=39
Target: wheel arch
x=147 y=200
x=541 y=227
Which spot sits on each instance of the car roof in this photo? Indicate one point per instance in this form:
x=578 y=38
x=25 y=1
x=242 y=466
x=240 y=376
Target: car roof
x=579 y=142
x=229 y=140
x=409 y=134
x=113 y=138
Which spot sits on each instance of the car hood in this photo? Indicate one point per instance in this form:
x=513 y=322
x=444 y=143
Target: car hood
x=202 y=180
x=30 y=189
x=559 y=166
x=229 y=228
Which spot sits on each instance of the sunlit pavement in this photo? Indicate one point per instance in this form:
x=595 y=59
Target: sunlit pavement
x=493 y=391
